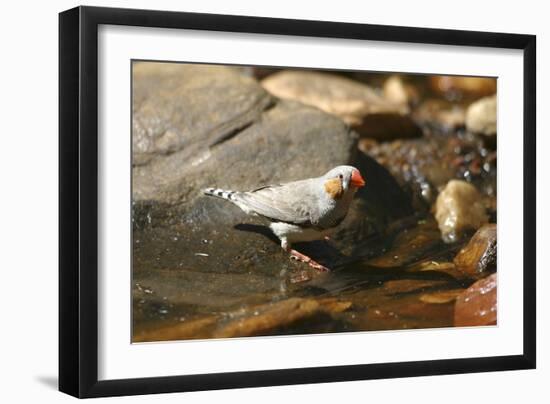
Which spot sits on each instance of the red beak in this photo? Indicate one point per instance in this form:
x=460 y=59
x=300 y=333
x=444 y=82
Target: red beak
x=356 y=180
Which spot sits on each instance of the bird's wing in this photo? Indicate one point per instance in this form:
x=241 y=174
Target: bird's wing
x=292 y=202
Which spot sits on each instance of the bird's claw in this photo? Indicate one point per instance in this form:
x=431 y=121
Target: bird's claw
x=318 y=267
x=304 y=258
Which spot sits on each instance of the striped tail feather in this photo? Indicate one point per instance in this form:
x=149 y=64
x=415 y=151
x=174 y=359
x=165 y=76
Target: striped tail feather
x=232 y=196
x=220 y=193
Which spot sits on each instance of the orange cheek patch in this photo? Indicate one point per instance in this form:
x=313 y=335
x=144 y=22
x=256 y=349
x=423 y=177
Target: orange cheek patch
x=334 y=188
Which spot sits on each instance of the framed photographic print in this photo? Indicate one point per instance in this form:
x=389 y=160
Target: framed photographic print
x=251 y=201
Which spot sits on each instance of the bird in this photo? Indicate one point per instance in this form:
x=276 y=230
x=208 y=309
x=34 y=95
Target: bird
x=300 y=211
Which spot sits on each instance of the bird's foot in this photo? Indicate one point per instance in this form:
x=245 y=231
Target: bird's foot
x=304 y=258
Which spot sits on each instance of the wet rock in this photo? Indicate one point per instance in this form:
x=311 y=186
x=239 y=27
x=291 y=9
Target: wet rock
x=409 y=246
x=267 y=319
x=186 y=288
x=193 y=329
x=186 y=107
x=334 y=305
x=410 y=285
x=439 y=267
x=443 y=297
x=355 y=103
x=251 y=320
x=459 y=87
x=479 y=256
x=478 y=304
x=459 y=207
x=481 y=116
x=414 y=309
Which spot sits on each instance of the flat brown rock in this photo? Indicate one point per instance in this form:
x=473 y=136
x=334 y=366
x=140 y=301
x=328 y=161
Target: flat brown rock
x=357 y=104
x=267 y=318
x=410 y=285
x=193 y=329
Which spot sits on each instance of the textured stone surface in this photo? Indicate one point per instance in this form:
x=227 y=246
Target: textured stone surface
x=184 y=107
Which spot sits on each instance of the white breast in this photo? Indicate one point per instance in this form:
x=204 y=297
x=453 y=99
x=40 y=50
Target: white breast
x=297 y=234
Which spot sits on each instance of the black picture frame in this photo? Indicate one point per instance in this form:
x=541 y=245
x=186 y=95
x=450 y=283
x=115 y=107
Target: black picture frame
x=78 y=201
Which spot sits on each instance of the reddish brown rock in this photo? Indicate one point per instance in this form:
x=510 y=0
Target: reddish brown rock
x=479 y=256
x=478 y=304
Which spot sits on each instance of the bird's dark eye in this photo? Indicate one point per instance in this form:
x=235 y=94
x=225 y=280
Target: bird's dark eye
x=340 y=176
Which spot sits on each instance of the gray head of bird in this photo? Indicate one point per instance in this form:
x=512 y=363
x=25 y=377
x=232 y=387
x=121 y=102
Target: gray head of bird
x=341 y=179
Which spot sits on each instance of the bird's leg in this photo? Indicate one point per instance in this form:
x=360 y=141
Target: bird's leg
x=302 y=257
